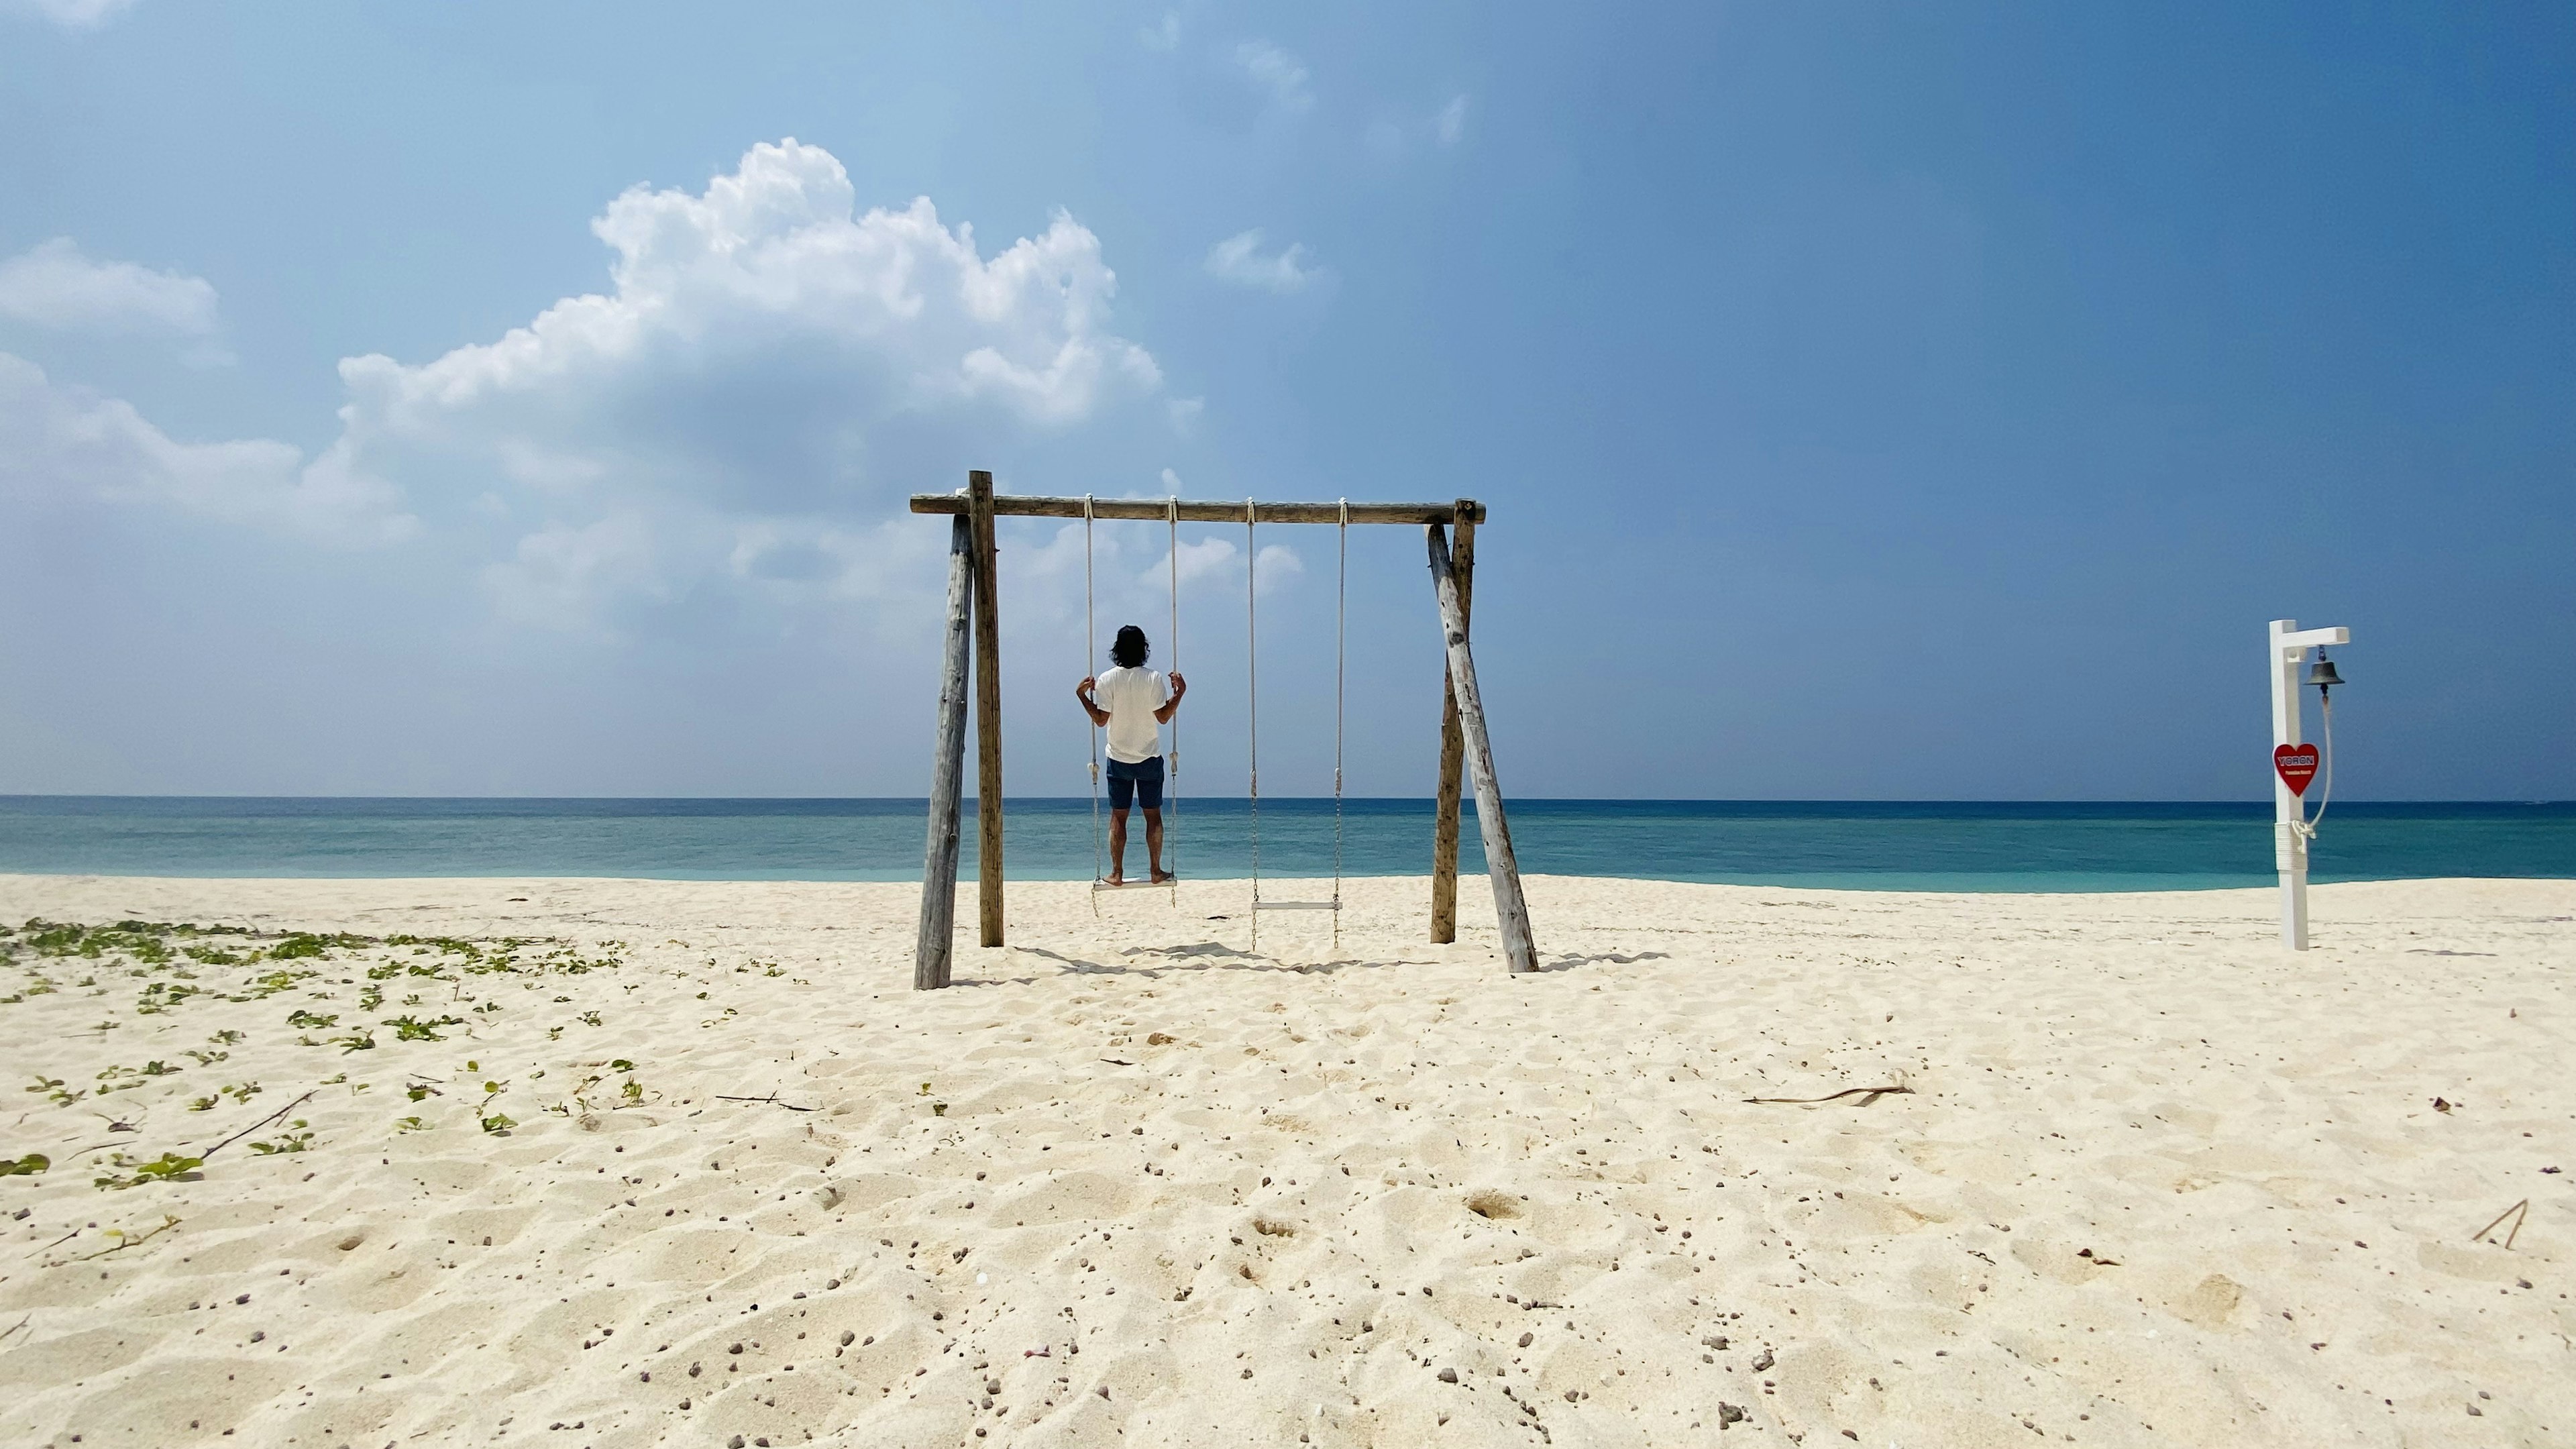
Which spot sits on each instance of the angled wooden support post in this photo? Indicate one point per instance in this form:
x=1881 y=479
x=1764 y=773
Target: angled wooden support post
x=988 y=710
x=1510 y=911
x=933 y=947
x=1453 y=744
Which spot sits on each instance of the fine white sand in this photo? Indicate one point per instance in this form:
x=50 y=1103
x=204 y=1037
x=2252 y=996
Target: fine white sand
x=2157 y=1181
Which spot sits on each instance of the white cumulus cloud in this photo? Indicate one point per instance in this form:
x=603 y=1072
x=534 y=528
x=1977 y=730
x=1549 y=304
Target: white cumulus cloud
x=1196 y=560
x=54 y=285
x=737 y=416
x=557 y=575
x=59 y=444
x=1239 y=259
x=771 y=266
x=770 y=359
x=1276 y=566
x=1280 y=75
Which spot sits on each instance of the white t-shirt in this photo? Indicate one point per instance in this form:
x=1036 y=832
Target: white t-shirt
x=1131 y=696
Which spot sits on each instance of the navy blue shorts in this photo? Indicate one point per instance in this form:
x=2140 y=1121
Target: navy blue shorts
x=1126 y=782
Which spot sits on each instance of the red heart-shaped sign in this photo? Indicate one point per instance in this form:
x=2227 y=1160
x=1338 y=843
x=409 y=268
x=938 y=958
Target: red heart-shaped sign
x=2297 y=764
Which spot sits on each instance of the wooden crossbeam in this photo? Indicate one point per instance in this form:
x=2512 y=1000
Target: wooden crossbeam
x=1156 y=510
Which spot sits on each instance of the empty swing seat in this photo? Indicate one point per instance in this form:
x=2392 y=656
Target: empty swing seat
x=1252 y=711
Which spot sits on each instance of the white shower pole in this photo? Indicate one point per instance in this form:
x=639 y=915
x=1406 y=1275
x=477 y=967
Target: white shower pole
x=2289 y=649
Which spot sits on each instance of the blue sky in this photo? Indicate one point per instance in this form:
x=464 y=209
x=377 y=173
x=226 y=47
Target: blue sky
x=1873 y=403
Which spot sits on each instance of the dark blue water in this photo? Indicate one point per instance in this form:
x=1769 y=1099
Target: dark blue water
x=1977 y=847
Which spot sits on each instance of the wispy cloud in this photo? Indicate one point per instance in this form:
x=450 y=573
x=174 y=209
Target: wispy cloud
x=1279 y=73
x=1164 y=35
x=53 y=285
x=1239 y=259
x=59 y=444
x=1394 y=138
x=1451 y=123
x=69 y=14
x=1203 y=561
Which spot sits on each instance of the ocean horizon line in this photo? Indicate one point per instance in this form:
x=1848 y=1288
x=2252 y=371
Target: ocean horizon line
x=2008 y=845
x=922 y=801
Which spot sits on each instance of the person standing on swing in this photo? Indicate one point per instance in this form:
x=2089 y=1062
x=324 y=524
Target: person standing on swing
x=1131 y=701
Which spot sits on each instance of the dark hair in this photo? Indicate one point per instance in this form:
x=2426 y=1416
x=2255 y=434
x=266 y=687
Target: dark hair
x=1130 y=651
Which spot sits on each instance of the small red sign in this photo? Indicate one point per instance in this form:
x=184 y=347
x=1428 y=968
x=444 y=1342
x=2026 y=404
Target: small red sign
x=2297 y=764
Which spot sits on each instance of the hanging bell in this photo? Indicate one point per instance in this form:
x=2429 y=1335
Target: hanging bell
x=2322 y=672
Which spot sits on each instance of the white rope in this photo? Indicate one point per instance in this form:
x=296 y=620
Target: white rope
x=1171 y=664
x=1341 y=652
x=2306 y=826
x=1089 y=637
x=1252 y=732
x=1252 y=709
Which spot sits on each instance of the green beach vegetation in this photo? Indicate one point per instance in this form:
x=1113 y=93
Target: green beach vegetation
x=336 y=983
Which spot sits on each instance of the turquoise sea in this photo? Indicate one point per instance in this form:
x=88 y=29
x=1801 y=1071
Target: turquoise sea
x=1882 y=846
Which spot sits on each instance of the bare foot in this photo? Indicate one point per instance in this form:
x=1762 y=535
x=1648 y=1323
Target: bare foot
x=1113 y=878
x=1163 y=877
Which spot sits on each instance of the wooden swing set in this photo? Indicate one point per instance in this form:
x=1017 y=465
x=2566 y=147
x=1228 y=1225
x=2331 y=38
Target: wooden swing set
x=972 y=605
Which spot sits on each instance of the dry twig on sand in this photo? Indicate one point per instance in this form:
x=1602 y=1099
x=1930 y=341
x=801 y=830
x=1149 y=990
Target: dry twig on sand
x=770 y=1100
x=58 y=1242
x=1867 y=1095
x=2517 y=1212
x=255 y=1126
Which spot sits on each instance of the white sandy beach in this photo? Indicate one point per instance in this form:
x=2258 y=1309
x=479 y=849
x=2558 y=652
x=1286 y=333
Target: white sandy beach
x=2156 y=1180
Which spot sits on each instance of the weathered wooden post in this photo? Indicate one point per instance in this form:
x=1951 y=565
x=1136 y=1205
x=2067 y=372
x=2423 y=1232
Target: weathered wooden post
x=1510 y=911
x=988 y=710
x=934 y=946
x=1444 y=825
